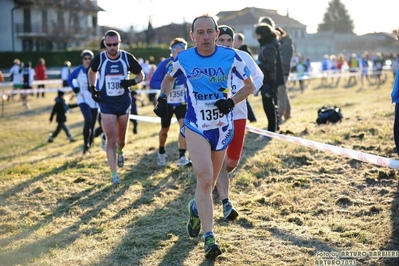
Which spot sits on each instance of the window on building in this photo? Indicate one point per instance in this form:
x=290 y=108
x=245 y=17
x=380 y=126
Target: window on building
x=27 y=45
x=91 y=21
x=94 y=20
x=60 y=19
x=45 y=21
x=299 y=34
x=76 y=21
x=40 y=45
x=27 y=20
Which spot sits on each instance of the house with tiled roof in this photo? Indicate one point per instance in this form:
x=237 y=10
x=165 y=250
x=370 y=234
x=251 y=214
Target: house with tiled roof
x=46 y=25
x=244 y=21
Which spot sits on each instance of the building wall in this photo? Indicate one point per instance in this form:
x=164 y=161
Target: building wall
x=5 y=20
x=317 y=45
x=37 y=36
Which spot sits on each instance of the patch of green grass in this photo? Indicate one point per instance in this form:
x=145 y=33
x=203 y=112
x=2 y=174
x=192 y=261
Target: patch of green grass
x=58 y=207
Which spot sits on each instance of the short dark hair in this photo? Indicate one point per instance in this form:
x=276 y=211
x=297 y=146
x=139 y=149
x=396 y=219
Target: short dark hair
x=112 y=33
x=264 y=29
x=204 y=16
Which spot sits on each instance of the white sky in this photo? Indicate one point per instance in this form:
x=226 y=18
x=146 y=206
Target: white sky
x=368 y=15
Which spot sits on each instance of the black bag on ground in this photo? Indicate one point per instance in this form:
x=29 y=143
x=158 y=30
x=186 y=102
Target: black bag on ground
x=329 y=114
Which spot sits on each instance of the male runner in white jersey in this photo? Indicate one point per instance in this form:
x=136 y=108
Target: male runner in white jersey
x=208 y=124
x=235 y=147
x=113 y=95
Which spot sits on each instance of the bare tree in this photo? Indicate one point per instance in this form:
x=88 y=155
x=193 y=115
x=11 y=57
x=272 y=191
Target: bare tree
x=64 y=19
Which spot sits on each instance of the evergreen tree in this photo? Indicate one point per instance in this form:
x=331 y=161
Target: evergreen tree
x=336 y=19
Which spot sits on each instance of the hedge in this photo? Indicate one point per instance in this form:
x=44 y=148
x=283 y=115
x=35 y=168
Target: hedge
x=57 y=58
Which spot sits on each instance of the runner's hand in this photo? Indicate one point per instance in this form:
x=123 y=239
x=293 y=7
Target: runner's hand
x=162 y=107
x=95 y=94
x=225 y=105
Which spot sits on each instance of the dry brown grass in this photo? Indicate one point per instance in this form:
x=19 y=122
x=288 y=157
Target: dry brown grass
x=58 y=208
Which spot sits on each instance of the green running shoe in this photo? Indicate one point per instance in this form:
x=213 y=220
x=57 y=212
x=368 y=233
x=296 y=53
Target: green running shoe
x=193 y=223
x=212 y=249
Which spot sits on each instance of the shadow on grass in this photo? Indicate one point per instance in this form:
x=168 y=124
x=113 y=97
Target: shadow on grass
x=317 y=245
x=66 y=236
x=14 y=112
x=26 y=152
x=60 y=141
x=86 y=200
x=22 y=186
x=95 y=199
x=166 y=221
x=15 y=257
x=173 y=214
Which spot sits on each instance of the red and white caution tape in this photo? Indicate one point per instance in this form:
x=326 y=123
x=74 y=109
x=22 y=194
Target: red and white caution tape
x=28 y=91
x=360 y=156
x=150 y=119
x=64 y=89
x=35 y=82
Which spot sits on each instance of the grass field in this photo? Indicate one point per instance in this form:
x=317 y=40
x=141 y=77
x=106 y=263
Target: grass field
x=297 y=205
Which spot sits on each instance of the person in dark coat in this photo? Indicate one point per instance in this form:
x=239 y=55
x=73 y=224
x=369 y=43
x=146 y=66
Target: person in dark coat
x=279 y=66
x=267 y=61
x=60 y=109
x=287 y=51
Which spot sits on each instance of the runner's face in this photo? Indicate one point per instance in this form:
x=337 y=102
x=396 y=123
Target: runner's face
x=225 y=40
x=86 y=61
x=112 y=45
x=236 y=42
x=204 y=35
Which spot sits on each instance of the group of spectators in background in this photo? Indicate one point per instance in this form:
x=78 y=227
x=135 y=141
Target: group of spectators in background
x=355 y=67
x=22 y=76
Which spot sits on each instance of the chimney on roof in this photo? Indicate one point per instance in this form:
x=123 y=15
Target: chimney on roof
x=288 y=14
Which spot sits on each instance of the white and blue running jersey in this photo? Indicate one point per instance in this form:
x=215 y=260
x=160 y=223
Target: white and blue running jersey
x=177 y=96
x=209 y=80
x=78 y=78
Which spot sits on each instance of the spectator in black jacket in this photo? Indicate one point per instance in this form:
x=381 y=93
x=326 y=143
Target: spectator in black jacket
x=267 y=61
x=59 y=109
x=279 y=65
x=287 y=51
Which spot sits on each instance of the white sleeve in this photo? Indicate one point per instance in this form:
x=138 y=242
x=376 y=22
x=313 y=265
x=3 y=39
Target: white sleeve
x=256 y=73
